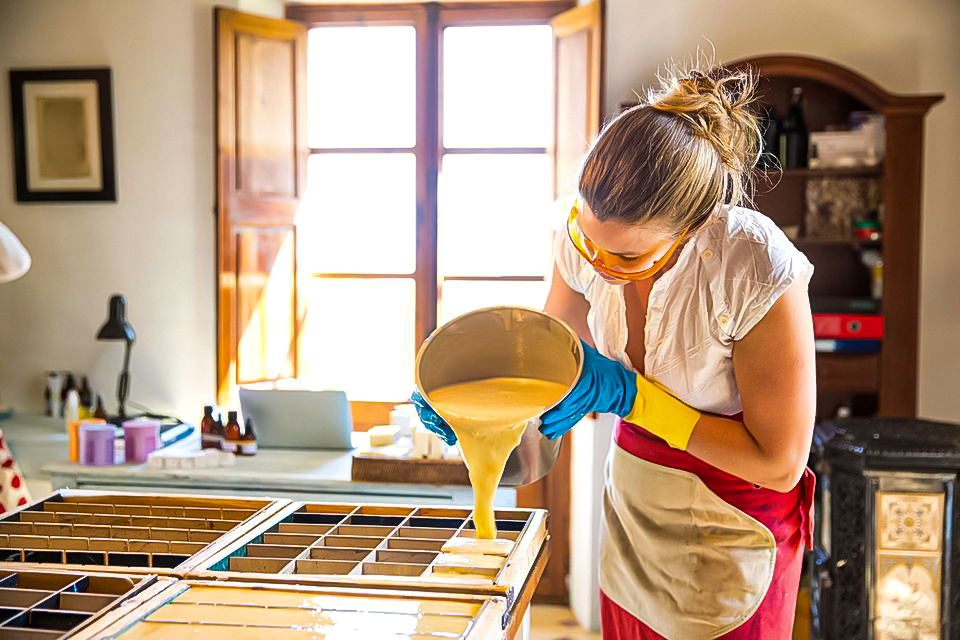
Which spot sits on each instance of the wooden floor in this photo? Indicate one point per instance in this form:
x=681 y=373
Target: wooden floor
x=551 y=622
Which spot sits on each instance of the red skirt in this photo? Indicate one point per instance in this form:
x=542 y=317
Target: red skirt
x=788 y=516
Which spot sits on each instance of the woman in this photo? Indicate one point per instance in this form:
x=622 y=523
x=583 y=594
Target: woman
x=700 y=313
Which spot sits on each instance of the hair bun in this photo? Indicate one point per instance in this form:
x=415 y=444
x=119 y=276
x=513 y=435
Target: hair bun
x=718 y=105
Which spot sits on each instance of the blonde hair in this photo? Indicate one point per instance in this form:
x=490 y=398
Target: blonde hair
x=690 y=146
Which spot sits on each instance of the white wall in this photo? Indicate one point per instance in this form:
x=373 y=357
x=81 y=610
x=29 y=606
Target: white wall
x=156 y=244
x=906 y=47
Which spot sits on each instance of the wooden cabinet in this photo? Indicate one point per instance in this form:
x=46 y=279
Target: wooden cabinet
x=884 y=383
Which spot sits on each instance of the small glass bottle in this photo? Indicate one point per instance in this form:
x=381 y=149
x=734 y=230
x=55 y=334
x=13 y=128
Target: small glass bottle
x=209 y=439
x=69 y=384
x=231 y=433
x=86 y=396
x=794 y=134
x=100 y=412
x=248 y=441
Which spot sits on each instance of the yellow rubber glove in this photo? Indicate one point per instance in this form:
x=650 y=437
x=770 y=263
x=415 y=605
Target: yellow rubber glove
x=606 y=386
x=661 y=414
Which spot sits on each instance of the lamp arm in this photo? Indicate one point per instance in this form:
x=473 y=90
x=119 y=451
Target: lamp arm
x=123 y=383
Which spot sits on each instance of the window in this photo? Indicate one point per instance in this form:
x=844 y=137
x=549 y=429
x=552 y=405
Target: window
x=429 y=181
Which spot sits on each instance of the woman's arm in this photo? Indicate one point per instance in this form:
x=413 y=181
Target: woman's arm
x=568 y=305
x=775 y=371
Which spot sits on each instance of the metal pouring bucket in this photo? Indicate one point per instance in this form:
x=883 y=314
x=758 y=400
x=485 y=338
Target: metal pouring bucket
x=499 y=342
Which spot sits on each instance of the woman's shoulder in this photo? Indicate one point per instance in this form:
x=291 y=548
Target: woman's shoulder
x=742 y=237
x=749 y=263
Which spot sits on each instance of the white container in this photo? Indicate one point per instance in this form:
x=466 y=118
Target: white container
x=405 y=416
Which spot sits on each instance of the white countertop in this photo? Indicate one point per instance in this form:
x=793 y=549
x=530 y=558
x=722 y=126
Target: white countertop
x=40 y=446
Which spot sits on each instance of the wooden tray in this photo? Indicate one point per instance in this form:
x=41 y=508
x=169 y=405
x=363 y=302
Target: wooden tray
x=241 y=611
x=128 y=532
x=385 y=546
x=37 y=604
x=408 y=469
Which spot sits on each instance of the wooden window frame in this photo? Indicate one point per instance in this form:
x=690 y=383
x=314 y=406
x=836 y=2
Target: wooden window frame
x=429 y=20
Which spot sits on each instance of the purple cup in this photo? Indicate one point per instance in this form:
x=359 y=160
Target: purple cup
x=140 y=437
x=97 y=444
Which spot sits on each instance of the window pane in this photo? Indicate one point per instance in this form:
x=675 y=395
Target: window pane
x=358 y=336
x=497 y=86
x=359 y=214
x=460 y=296
x=361 y=86
x=495 y=215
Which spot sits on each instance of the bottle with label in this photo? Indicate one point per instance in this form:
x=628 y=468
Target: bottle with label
x=248 y=441
x=69 y=384
x=794 y=134
x=209 y=438
x=71 y=407
x=51 y=395
x=231 y=433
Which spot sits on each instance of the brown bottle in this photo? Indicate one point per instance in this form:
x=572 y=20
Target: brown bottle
x=231 y=433
x=100 y=412
x=209 y=438
x=86 y=395
x=248 y=441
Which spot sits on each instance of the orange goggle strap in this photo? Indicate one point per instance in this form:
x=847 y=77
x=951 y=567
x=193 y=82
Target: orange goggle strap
x=602 y=260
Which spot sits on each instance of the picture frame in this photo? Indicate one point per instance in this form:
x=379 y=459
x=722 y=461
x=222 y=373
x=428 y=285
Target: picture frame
x=63 y=144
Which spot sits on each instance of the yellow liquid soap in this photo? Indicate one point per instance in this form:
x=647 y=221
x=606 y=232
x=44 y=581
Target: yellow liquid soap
x=489 y=417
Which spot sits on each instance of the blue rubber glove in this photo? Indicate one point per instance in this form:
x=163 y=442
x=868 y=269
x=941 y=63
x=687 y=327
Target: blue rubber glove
x=431 y=420
x=605 y=386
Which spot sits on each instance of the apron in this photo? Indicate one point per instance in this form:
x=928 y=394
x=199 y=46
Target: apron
x=691 y=552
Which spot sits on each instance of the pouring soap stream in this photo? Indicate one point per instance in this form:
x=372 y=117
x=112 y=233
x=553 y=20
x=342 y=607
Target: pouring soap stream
x=489 y=417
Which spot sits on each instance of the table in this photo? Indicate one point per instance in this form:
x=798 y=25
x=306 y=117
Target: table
x=39 y=445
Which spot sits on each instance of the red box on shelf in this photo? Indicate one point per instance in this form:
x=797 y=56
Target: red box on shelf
x=844 y=325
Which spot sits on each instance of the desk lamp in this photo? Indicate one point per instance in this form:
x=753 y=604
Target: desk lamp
x=117 y=328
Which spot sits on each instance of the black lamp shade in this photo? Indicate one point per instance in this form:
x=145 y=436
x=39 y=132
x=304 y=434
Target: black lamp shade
x=116 y=327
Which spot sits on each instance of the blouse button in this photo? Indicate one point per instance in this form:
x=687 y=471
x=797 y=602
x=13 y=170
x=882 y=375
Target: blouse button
x=707 y=254
x=724 y=320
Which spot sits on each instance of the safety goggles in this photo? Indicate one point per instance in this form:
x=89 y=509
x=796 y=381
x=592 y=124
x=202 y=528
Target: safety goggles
x=609 y=264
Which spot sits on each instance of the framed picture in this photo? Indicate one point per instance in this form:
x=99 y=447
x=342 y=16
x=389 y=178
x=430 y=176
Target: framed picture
x=63 y=135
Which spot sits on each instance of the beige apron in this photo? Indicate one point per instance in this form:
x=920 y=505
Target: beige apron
x=675 y=555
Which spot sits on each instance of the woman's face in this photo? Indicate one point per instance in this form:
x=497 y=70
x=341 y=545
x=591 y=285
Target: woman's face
x=637 y=247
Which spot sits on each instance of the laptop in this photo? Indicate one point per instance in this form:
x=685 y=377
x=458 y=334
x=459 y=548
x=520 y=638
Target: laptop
x=298 y=418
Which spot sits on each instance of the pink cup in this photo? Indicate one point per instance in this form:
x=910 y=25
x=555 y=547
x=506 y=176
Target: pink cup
x=140 y=437
x=97 y=444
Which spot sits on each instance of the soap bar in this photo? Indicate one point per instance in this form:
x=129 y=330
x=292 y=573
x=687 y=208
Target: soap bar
x=466 y=563
x=383 y=435
x=472 y=546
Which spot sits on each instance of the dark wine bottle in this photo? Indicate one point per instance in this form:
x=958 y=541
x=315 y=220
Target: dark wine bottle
x=794 y=134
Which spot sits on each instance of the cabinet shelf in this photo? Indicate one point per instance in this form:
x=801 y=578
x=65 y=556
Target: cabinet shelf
x=832 y=92
x=827 y=242
x=851 y=172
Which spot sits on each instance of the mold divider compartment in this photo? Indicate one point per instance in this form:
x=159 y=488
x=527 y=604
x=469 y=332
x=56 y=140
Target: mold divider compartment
x=126 y=532
x=378 y=546
x=280 y=607
x=50 y=603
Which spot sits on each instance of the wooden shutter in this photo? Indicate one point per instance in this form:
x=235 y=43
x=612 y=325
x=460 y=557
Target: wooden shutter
x=261 y=155
x=577 y=105
x=578 y=90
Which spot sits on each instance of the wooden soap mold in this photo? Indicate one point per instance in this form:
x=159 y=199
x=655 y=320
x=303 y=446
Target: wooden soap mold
x=488 y=623
x=390 y=546
x=39 y=604
x=126 y=532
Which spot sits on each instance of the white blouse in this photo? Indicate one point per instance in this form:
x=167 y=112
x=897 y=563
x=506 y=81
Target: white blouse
x=726 y=279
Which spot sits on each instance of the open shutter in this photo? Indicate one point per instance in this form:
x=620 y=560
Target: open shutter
x=578 y=91
x=261 y=154
x=577 y=105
